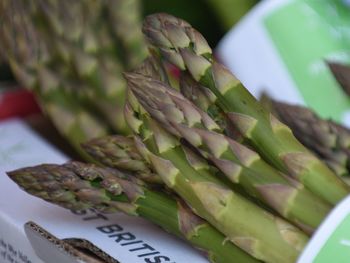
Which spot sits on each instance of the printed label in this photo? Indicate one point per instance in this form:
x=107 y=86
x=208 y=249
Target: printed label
x=306 y=34
x=10 y=253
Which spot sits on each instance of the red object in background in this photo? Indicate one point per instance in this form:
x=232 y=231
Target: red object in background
x=17 y=103
x=174 y=70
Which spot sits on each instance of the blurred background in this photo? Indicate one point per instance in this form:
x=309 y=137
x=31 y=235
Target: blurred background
x=61 y=62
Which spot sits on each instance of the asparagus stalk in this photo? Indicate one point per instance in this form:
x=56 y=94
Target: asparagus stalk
x=79 y=186
x=191 y=89
x=186 y=48
x=125 y=20
x=240 y=164
x=71 y=118
x=89 y=50
x=120 y=152
x=205 y=100
x=83 y=45
x=327 y=139
x=226 y=210
x=29 y=57
x=153 y=67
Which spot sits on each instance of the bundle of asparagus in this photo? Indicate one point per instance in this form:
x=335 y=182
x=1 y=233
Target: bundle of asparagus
x=244 y=177
x=72 y=55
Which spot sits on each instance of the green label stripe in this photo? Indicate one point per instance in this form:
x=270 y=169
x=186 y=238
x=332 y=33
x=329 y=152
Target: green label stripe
x=306 y=33
x=337 y=247
x=331 y=242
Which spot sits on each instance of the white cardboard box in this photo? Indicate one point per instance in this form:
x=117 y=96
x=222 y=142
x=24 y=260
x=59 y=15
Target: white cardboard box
x=114 y=234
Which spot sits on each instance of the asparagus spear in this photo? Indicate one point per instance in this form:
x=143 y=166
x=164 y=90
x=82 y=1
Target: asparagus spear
x=191 y=89
x=186 y=48
x=226 y=210
x=152 y=66
x=89 y=50
x=125 y=21
x=240 y=164
x=205 y=100
x=29 y=57
x=83 y=45
x=120 y=152
x=72 y=119
x=327 y=139
x=79 y=186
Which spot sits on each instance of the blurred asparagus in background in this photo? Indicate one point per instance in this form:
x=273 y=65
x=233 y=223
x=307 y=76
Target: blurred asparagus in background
x=72 y=55
x=327 y=139
x=125 y=19
x=28 y=56
x=229 y=12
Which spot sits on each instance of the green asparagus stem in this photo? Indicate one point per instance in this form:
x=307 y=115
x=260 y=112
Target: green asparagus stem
x=120 y=152
x=205 y=100
x=80 y=186
x=73 y=120
x=327 y=139
x=152 y=66
x=226 y=210
x=125 y=21
x=89 y=51
x=186 y=48
x=240 y=164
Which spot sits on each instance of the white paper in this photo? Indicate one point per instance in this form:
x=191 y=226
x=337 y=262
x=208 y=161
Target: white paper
x=20 y=147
